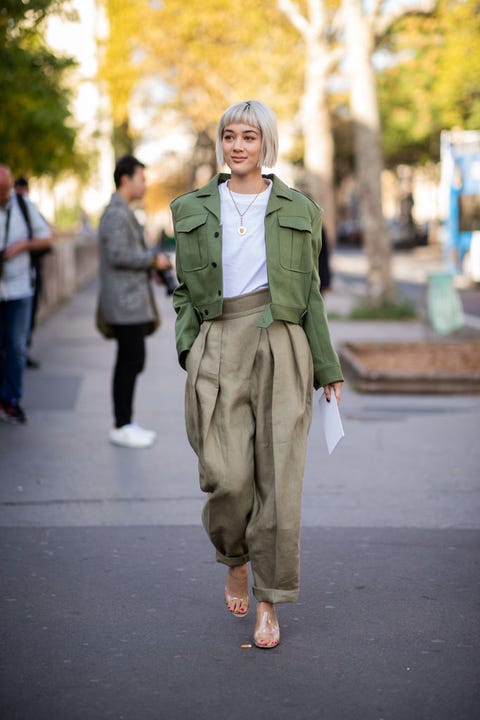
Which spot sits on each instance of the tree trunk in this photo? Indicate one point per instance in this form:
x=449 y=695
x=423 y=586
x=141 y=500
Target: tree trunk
x=368 y=155
x=318 y=154
x=122 y=140
x=317 y=133
x=203 y=163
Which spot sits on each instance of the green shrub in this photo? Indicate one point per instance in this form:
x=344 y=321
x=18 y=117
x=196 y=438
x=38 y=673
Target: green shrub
x=400 y=310
x=67 y=217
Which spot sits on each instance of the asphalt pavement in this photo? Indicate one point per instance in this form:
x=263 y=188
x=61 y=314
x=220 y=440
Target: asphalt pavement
x=112 y=603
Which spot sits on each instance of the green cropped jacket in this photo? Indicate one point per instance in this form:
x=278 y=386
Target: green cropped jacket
x=293 y=237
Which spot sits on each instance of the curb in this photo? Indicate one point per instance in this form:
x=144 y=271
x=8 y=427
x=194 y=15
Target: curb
x=399 y=381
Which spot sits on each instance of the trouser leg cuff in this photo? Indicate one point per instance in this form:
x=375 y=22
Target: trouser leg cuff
x=273 y=595
x=231 y=561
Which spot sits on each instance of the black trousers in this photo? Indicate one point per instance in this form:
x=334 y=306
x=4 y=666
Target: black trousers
x=129 y=362
x=37 y=281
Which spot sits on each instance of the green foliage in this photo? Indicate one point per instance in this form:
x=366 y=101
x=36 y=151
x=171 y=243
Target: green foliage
x=25 y=16
x=37 y=135
x=456 y=87
x=434 y=83
x=67 y=216
x=121 y=63
x=209 y=55
x=400 y=310
x=221 y=51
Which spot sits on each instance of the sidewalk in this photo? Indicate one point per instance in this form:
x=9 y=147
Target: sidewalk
x=112 y=603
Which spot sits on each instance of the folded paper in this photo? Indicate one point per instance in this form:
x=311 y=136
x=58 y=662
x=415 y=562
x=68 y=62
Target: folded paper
x=331 y=421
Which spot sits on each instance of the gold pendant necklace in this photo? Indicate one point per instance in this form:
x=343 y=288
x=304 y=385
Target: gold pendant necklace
x=241 y=229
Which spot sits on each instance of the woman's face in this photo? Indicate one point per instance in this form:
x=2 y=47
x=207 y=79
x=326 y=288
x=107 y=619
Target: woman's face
x=241 y=145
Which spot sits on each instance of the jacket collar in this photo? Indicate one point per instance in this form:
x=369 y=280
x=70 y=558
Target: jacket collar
x=212 y=198
x=210 y=195
x=117 y=199
x=280 y=192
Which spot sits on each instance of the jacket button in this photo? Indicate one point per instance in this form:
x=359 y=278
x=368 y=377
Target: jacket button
x=217 y=234
x=220 y=292
x=205 y=312
x=214 y=264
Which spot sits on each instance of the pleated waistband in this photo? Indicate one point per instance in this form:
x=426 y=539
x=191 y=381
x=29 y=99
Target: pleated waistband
x=240 y=305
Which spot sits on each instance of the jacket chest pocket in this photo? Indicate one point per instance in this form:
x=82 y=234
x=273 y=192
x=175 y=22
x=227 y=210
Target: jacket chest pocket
x=192 y=242
x=295 y=243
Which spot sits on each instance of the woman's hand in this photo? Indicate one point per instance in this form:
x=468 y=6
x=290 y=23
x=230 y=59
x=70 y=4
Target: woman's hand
x=337 y=389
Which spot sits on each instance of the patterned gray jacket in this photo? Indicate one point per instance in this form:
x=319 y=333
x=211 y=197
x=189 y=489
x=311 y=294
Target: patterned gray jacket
x=126 y=297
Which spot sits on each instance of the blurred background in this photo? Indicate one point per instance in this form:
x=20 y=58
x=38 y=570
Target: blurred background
x=378 y=105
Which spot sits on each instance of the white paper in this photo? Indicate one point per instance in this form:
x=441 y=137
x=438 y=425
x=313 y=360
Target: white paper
x=331 y=421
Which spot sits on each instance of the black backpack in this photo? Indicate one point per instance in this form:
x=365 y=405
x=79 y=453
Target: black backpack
x=24 y=210
x=35 y=255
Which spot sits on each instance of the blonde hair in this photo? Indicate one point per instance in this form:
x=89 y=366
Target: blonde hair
x=258 y=115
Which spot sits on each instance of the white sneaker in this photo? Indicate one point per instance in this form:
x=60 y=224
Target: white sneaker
x=152 y=433
x=132 y=436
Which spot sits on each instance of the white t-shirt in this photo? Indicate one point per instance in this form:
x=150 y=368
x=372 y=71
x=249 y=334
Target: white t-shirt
x=244 y=257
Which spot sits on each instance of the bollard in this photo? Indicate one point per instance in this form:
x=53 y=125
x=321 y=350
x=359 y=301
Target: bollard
x=445 y=310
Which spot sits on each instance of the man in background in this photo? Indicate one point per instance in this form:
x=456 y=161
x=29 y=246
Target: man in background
x=126 y=303
x=21 y=187
x=16 y=292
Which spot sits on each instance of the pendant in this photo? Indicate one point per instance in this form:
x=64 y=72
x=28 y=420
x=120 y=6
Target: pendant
x=242 y=230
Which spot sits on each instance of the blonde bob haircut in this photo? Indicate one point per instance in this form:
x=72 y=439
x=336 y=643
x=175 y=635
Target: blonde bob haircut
x=258 y=115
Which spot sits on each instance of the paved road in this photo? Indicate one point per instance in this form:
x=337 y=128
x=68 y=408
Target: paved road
x=111 y=601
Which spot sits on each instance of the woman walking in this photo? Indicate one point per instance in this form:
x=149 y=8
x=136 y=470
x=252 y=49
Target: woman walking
x=252 y=334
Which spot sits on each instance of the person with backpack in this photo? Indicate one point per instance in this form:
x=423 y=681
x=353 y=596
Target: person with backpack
x=17 y=241
x=22 y=190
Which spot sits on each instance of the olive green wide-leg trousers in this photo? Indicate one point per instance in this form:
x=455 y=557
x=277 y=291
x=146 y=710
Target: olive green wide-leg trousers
x=248 y=406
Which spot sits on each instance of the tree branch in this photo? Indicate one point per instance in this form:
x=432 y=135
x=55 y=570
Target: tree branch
x=334 y=57
x=374 y=15
x=382 y=23
x=292 y=11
